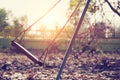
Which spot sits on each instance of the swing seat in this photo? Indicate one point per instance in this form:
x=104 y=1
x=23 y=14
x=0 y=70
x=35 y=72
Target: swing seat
x=26 y=52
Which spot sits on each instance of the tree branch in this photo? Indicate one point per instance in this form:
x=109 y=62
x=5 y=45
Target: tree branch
x=114 y=10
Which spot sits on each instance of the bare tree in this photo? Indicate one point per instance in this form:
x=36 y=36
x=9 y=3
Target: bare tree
x=113 y=9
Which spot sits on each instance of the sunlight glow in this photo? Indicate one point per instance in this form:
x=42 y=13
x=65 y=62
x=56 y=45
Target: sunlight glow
x=46 y=27
x=49 y=22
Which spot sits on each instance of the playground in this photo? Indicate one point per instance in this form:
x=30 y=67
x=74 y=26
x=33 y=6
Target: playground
x=87 y=47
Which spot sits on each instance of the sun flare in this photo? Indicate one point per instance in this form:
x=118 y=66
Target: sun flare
x=49 y=22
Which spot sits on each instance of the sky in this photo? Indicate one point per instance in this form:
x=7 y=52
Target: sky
x=34 y=9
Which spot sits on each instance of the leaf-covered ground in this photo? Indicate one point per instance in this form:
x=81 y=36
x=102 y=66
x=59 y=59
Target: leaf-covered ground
x=78 y=67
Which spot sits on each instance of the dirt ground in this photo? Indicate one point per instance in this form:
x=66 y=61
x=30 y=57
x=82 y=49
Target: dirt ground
x=78 y=67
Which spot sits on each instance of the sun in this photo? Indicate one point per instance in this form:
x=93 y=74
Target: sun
x=49 y=22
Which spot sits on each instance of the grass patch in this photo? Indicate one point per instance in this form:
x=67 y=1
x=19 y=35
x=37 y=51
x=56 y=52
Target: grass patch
x=4 y=43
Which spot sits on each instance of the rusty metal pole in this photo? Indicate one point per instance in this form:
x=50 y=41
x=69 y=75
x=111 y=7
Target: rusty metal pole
x=72 y=40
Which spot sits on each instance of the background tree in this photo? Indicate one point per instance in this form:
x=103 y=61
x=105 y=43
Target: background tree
x=10 y=26
x=95 y=6
x=19 y=24
x=92 y=9
x=3 y=19
x=75 y=18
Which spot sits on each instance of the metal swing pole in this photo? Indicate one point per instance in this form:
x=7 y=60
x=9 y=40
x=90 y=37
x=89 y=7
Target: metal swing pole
x=72 y=40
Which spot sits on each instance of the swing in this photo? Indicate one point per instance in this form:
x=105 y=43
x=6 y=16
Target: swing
x=15 y=44
x=26 y=52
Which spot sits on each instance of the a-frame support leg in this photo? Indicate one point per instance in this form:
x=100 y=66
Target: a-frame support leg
x=72 y=40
